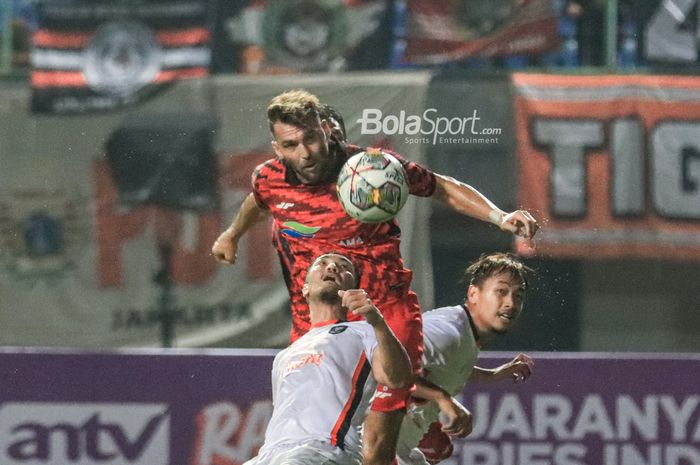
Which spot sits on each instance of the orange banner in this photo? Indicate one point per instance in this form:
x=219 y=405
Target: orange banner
x=610 y=165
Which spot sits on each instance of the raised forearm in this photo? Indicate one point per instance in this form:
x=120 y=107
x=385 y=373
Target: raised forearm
x=225 y=246
x=464 y=199
x=479 y=374
x=390 y=362
x=248 y=214
x=431 y=392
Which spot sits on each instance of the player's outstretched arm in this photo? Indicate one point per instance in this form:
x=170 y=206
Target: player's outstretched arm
x=459 y=419
x=519 y=369
x=226 y=245
x=390 y=364
x=468 y=201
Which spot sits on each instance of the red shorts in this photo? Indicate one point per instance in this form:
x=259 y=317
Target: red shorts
x=404 y=318
x=436 y=445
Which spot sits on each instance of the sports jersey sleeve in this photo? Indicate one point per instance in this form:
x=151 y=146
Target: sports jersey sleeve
x=439 y=339
x=260 y=188
x=369 y=341
x=442 y=332
x=420 y=179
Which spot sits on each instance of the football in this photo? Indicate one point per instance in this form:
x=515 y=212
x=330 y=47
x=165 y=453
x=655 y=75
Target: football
x=372 y=186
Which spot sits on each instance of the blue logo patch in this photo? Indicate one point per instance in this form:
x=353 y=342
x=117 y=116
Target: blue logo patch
x=338 y=329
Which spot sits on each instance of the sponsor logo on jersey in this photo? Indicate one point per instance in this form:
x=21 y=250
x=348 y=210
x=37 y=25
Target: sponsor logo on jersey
x=354 y=242
x=298 y=230
x=284 y=205
x=314 y=359
x=337 y=329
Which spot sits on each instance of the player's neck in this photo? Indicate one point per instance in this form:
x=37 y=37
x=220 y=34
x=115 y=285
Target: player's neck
x=319 y=312
x=479 y=335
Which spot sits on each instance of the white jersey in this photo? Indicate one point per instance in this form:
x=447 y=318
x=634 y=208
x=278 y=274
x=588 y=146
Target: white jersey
x=448 y=360
x=321 y=387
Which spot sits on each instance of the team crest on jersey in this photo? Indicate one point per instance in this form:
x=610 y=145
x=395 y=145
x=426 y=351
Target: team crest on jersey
x=338 y=329
x=298 y=230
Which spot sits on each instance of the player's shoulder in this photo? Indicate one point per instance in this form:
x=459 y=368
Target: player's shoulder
x=452 y=312
x=269 y=168
x=350 y=331
x=350 y=327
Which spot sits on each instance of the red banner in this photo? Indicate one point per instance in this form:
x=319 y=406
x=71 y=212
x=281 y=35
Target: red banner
x=611 y=164
x=447 y=30
x=96 y=56
x=293 y=36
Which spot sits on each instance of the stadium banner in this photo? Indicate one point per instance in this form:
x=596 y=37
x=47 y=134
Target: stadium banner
x=184 y=407
x=439 y=32
x=667 y=31
x=101 y=55
x=610 y=165
x=292 y=36
x=78 y=267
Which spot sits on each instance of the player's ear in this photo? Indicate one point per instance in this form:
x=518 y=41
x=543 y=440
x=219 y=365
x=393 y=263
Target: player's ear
x=472 y=293
x=305 y=290
x=326 y=126
x=276 y=148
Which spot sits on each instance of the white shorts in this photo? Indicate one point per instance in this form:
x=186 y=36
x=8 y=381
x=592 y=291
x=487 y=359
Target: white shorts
x=313 y=453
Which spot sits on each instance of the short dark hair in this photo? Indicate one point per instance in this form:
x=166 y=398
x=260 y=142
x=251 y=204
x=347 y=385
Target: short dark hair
x=298 y=107
x=488 y=265
x=330 y=113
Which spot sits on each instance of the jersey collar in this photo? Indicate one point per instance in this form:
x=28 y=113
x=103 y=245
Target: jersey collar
x=472 y=326
x=320 y=324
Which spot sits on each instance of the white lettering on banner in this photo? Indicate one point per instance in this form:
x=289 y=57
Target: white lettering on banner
x=553 y=416
x=373 y=121
x=226 y=436
x=509 y=453
x=510 y=418
x=674 y=164
x=679 y=417
x=593 y=419
x=33 y=433
x=672 y=454
x=553 y=429
x=523 y=454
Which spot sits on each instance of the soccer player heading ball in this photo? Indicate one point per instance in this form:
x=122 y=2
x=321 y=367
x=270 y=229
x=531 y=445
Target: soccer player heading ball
x=297 y=188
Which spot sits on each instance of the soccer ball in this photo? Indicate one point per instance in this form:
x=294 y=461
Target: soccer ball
x=372 y=186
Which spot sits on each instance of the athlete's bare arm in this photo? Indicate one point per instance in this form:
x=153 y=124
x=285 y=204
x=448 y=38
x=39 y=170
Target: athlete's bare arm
x=459 y=419
x=390 y=364
x=226 y=245
x=466 y=200
x=519 y=369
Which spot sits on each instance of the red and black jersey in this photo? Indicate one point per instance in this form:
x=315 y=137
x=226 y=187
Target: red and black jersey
x=309 y=221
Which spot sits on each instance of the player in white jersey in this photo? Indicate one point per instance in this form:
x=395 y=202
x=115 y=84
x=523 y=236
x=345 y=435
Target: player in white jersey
x=453 y=337
x=323 y=383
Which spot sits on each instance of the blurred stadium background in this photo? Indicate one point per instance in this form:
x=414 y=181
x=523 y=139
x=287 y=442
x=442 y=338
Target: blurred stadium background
x=129 y=130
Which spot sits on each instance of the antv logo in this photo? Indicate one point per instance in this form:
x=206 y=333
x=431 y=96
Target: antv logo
x=65 y=434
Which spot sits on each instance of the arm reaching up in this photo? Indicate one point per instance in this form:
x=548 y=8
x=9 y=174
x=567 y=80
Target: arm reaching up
x=466 y=200
x=390 y=363
x=226 y=245
x=519 y=369
x=459 y=419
